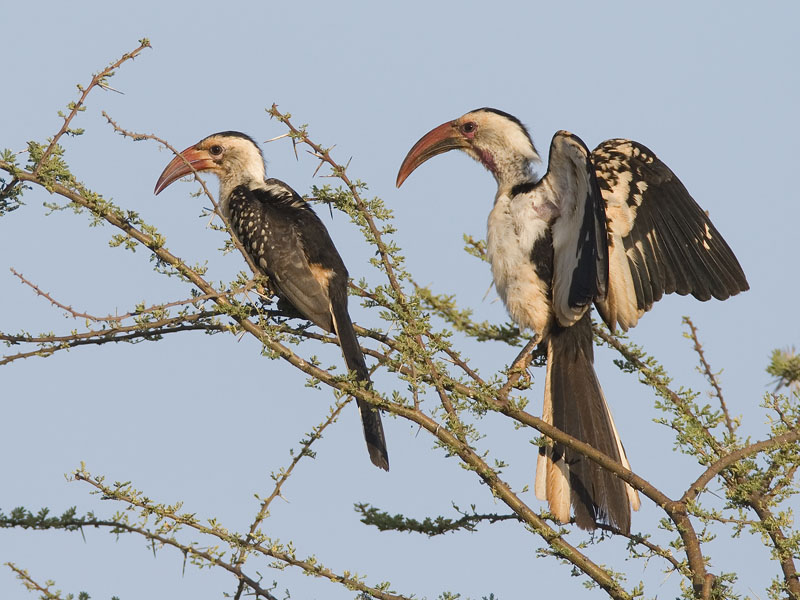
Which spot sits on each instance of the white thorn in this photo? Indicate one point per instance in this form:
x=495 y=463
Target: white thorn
x=283 y=135
x=489 y=289
x=105 y=86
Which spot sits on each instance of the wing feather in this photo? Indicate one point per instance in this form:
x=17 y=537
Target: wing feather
x=670 y=244
x=580 y=251
x=289 y=243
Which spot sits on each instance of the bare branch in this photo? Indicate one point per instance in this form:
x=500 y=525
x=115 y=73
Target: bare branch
x=97 y=80
x=710 y=376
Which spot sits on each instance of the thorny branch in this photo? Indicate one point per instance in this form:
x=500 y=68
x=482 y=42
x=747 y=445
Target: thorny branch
x=339 y=171
x=131 y=498
x=117 y=318
x=153 y=330
x=710 y=375
x=97 y=80
x=280 y=480
x=31 y=584
x=387 y=260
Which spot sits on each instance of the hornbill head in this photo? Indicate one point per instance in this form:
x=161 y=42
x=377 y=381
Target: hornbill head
x=497 y=140
x=230 y=155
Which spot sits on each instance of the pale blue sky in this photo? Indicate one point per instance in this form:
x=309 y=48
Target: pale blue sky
x=712 y=88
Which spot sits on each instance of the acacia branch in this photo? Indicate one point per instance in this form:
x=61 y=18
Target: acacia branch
x=710 y=376
x=311 y=567
x=118 y=334
x=263 y=512
x=653 y=380
x=517 y=369
x=98 y=79
x=783 y=553
x=31 y=584
x=339 y=171
x=638 y=538
x=116 y=318
x=732 y=458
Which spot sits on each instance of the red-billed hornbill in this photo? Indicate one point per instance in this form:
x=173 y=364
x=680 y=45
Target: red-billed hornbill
x=287 y=241
x=613 y=226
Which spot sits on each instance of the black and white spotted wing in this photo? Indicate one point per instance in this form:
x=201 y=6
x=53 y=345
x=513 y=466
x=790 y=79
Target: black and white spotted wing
x=660 y=240
x=286 y=239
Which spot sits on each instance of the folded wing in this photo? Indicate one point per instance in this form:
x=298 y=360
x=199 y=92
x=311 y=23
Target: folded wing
x=580 y=255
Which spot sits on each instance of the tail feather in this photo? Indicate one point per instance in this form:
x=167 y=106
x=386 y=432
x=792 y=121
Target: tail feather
x=574 y=403
x=354 y=359
x=552 y=475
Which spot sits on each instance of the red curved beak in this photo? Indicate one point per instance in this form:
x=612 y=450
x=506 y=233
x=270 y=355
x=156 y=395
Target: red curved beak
x=189 y=161
x=442 y=139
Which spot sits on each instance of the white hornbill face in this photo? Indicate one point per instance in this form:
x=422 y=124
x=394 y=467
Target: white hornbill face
x=497 y=140
x=232 y=156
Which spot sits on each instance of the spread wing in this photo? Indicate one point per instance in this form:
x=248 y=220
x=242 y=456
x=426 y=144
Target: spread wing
x=659 y=240
x=580 y=259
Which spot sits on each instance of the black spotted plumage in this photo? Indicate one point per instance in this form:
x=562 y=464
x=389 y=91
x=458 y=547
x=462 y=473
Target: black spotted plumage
x=285 y=237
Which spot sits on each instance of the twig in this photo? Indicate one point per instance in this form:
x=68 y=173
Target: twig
x=104 y=336
x=637 y=538
x=734 y=457
x=316 y=434
x=518 y=367
x=339 y=171
x=310 y=567
x=117 y=318
x=710 y=376
x=653 y=380
x=785 y=558
x=78 y=106
x=31 y=584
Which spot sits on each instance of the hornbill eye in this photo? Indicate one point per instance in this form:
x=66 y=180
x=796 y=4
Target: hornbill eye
x=215 y=150
x=469 y=127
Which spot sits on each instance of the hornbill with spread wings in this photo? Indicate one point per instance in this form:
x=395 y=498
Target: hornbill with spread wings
x=287 y=241
x=614 y=227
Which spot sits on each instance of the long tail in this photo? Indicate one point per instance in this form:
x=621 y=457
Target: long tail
x=574 y=403
x=354 y=359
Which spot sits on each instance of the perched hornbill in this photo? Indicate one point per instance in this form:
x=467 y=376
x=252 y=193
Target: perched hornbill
x=288 y=242
x=613 y=226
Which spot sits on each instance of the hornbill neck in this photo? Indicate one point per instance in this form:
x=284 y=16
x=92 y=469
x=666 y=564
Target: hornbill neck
x=250 y=174
x=510 y=169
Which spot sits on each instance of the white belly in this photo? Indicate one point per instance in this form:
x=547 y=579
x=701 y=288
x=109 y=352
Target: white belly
x=509 y=242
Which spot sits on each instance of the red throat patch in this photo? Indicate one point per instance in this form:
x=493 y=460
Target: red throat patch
x=488 y=160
